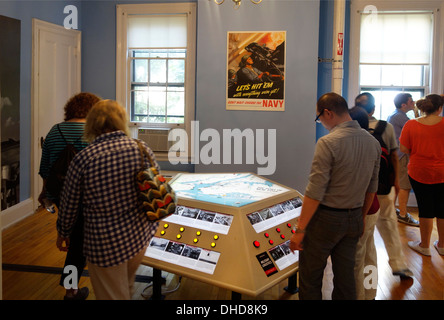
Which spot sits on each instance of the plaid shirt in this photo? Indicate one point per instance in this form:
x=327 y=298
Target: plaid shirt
x=103 y=174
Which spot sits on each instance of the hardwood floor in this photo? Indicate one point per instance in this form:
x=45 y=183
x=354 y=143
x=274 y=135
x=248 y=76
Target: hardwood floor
x=30 y=244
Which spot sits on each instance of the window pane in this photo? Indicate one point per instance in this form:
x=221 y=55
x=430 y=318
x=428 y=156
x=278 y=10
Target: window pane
x=413 y=76
x=391 y=75
x=176 y=102
x=370 y=75
x=140 y=70
x=176 y=71
x=157 y=107
x=140 y=99
x=396 y=37
x=158 y=71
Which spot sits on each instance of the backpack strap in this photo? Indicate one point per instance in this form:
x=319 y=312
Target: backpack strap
x=60 y=131
x=380 y=127
x=66 y=142
x=144 y=153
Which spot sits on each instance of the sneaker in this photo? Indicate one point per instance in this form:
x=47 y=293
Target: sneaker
x=415 y=246
x=440 y=250
x=408 y=219
x=81 y=294
x=406 y=273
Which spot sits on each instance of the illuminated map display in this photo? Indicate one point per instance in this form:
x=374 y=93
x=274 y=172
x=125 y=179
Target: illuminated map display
x=230 y=189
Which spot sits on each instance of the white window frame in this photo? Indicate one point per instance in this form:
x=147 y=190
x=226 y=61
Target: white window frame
x=436 y=82
x=123 y=84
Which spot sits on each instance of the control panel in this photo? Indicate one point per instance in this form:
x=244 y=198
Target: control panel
x=237 y=244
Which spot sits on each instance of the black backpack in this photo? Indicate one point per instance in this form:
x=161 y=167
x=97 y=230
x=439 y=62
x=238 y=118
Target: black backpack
x=57 y=173
x=386 y=171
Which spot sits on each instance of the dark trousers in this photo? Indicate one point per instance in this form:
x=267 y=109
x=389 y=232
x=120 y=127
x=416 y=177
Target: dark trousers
x=335 y=234
x=75 y=255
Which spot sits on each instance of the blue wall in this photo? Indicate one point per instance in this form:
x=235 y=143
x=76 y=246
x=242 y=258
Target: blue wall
x=295 y=135
x=50 y=11
x=296 y=130
x=295 y=126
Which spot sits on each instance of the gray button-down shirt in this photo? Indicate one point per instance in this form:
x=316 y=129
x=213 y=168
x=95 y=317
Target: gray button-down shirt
x=398 y=119
x=345 y=166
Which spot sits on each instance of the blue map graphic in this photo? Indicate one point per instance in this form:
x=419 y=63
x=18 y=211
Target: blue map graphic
x=230 y=189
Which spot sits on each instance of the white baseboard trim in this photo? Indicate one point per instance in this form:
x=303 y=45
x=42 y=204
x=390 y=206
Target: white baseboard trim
x=16 y=213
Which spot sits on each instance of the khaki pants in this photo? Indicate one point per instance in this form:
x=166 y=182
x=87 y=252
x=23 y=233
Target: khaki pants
x=115 y=283
x=366 y=256
x=387 y=226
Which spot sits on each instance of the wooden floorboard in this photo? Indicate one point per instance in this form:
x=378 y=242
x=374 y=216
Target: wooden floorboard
x=31 y=242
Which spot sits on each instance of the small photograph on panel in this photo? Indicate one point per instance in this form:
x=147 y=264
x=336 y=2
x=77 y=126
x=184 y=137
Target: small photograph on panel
x=191 y=252
x=159 y=243
x=297 y=202
x=276 y=210
x=223 y=219
x=190 y=212
x=179 y=210
x=276 y=253
x=175 y=247
x=207 y=216
x=287 y=205
x=254 y=218
x=265 y=214
x=286 y=247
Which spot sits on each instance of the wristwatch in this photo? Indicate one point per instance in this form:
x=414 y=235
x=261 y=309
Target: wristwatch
x=298 y=230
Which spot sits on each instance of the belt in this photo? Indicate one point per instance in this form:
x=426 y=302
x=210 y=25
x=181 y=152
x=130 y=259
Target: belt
x=337 y=209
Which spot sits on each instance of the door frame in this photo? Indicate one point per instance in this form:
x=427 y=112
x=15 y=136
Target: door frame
x=37 y=26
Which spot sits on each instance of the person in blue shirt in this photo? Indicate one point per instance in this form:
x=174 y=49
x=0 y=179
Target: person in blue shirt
x=403 y=103
x=75 y=111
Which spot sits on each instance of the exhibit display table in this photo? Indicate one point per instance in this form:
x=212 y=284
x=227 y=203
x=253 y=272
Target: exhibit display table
x=231 y=230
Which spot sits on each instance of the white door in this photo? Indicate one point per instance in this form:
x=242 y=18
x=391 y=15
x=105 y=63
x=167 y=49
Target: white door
x=55 y=78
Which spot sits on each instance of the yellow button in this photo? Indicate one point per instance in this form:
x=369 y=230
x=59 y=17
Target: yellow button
x=213 y=244
x=216 y=237
x=182 y=229
x=179 y=236
x=196 y=240
x=165 y=225
x=162 y=232
x=198 y=233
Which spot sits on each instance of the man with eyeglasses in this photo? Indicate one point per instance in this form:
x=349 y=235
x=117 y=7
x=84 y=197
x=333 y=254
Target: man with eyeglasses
x=342 y=183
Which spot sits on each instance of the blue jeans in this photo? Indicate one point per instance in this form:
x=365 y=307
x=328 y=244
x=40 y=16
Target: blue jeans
x=335 y=234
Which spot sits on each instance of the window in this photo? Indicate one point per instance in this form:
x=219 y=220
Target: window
x=157 y=85
x=394 y=51
x=156 y=64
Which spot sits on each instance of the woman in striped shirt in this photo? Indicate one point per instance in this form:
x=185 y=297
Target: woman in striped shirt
x=76 y=110
x=101 y=178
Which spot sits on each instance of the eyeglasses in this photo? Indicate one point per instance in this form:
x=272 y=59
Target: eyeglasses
x=320 y=114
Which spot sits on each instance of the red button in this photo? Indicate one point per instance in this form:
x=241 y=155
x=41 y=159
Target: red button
x=270 y=241
x=266 y=235
x=278 y=229
x=256 y=244
x=293 y=231
x=289 y=225
x=282 y=236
